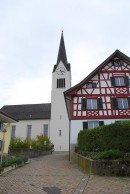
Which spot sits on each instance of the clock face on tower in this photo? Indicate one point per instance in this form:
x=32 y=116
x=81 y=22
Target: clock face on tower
x=61 y=71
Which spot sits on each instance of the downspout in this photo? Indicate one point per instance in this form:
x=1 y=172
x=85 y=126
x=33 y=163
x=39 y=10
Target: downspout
x=69 y=128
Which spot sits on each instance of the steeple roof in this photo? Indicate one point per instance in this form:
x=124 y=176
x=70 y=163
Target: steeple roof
x=62 y=52
x=62 y=55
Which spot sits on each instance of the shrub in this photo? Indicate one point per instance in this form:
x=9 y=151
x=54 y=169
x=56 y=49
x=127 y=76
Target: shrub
x=41 y=142
x=1 y=169
x=107 y=137
x=110 y=154
x=18 y=143
x=9 y=161
x=18 y=160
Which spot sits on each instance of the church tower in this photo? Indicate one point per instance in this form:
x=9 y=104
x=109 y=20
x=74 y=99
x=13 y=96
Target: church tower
x=61 y=81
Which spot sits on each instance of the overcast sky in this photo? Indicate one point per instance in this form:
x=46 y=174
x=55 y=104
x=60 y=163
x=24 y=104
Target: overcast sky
x=30 y=32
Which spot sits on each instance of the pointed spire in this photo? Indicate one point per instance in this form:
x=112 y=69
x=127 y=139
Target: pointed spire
x=62 y=52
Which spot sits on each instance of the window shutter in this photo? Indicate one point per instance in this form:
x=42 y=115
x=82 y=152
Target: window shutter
x=126 y=79
x=99 y=103
x=112 y=81
x=84 y=103
x=85 y=125
x=114 y=103
x=101 y=123
x=129 y=102
x=94 y=85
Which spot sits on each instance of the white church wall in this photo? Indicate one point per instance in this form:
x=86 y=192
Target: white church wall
x=37 y=127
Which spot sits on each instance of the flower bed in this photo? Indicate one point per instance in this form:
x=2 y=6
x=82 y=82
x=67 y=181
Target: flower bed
x=10 y=162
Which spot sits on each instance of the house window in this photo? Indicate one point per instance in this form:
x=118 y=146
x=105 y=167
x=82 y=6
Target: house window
x=29 y=129
x=91 y=104
x=60 y=132
x=118 y=62
x=13 y=131
x=92 y=124
x=91 y=85
x=61 y=83
x=120 y=81
x=120 y=103
x=45 y=132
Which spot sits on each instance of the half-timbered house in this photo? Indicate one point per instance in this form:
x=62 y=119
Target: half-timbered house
x=103 y=97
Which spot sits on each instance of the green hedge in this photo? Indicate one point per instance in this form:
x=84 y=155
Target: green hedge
x=107 y=137
x=110 y=154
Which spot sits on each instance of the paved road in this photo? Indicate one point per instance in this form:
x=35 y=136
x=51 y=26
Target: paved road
x=54 y=174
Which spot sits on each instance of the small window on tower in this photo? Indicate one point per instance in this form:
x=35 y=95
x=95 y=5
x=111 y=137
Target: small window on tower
x=61 y=83
x=60 y=132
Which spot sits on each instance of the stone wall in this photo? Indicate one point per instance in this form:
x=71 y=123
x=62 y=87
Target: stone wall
x=29 y=152
x=102 y=167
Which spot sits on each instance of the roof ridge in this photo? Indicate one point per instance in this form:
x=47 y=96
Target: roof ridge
x=27 y=104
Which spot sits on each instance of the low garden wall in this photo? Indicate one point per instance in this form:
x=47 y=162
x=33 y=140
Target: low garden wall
x=102 y=167
x=31 y=153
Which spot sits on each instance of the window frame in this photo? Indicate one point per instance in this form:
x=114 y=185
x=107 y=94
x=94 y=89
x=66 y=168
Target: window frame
x=29 y=131
x=123 y=103
x=86 y=124
x=90 y=85
x=13 y=131
x=92 y=104
x=60 y=133
x=118 y=62
x=61 y=83
x=119 y=81
x=114 y=82
x=99 y=104
x=45 y=129
x=115 y=103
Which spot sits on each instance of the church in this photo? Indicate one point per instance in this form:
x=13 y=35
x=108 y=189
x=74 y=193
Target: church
x=103 y=97
x=49 y=119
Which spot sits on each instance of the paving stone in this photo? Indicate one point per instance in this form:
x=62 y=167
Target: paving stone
x=55 y=174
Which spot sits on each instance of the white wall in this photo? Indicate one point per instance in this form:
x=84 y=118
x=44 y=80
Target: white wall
x=59 y=117
x=37 y=127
